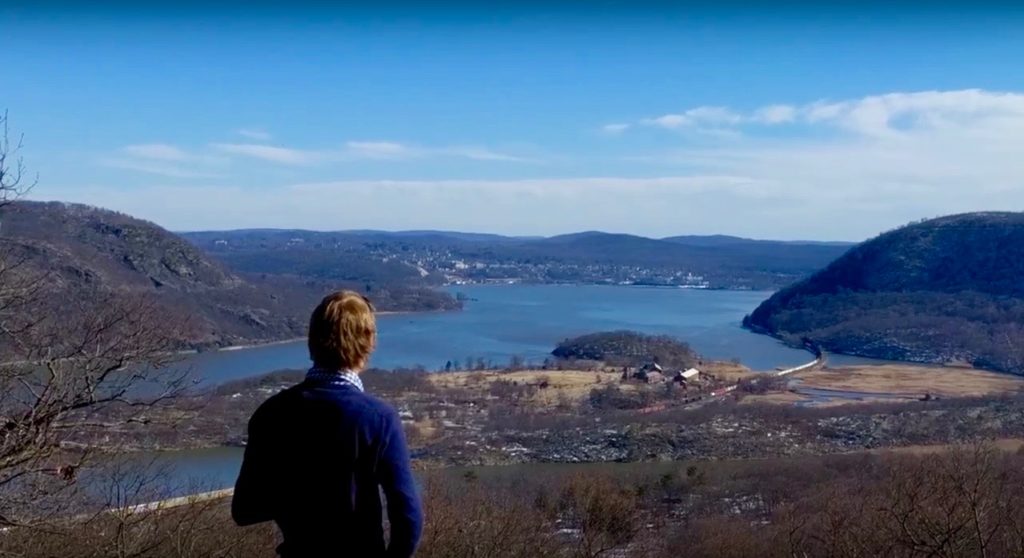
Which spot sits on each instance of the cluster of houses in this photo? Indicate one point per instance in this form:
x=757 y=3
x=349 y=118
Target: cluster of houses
x=653 y=373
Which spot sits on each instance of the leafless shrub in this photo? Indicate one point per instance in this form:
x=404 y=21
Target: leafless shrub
x=467 y=520
x=511 y=391
x=603 y=515
x=395 y=383
x=112 y=523
x=78 y=369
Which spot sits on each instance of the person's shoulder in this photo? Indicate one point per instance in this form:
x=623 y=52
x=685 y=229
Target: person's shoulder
x=362 y=402
x=379 y=406
x=277 y=402
x=386 y=420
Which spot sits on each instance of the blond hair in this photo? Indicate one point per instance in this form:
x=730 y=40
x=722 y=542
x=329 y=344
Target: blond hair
x=342 y=332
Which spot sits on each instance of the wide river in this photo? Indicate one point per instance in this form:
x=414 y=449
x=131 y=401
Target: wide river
x=499 y=322
x=502 y=321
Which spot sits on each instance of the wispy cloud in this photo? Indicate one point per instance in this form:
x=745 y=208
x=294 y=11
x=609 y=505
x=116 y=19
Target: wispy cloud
x=173 y=161
x=829 y=169
x=926 y=111
x=482 y=154
x=155 y=151
x=873 y=162
x=360 y=150
x=876 y=115
x=615 y=128
x=696 y=117
x=157 y=167
x=161 y=159
x=378 y=150
x=269 y=153
x=554 y=205
x=774 y=114
x=255 y=134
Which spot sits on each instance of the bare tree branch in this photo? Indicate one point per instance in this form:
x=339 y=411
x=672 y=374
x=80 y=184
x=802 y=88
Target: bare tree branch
x=13 y=183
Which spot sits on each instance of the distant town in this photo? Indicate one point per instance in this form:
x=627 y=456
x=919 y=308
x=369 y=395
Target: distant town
x=445 y=258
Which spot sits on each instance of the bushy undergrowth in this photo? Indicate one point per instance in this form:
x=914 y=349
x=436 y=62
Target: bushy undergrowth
x=968 y=501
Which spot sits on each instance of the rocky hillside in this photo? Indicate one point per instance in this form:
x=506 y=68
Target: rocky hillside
x=77 y=250
x=945 y=290
x=92 y=245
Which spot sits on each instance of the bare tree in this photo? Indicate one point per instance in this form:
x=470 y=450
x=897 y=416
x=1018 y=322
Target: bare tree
x=13 y=183
x=76 y=369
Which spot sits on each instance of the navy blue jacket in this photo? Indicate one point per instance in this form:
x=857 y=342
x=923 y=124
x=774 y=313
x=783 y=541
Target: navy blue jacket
x=317 y=456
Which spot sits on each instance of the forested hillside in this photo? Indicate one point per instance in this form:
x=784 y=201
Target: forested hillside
x=945 y=290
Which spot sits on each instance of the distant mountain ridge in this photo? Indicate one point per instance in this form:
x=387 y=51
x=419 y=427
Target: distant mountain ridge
x=692 y=240
x=726 y=240
x=589 y=256
x=944 y=290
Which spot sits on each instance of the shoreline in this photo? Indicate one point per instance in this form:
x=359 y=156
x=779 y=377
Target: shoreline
x=230 y=348
x=259 y=344
x=453 y=286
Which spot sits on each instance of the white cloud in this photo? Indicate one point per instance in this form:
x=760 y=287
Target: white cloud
x=161 y=159
x=393 y=150
x=255 y=134
x=705 y=116
x=155 y=151
x=173 y=161
x=379 y=150
x=668 y=121
x=843 y=169
x=360 y=150
x=542 y=206
x=774 y=114
x=157 y=167
x=614 y=128
x=482 y=154
x=875 y=162
x=270 y=153
x=875 y=115
x=935 y=111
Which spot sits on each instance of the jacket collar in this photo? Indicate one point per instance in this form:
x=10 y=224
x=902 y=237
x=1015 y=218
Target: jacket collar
x=334 y=378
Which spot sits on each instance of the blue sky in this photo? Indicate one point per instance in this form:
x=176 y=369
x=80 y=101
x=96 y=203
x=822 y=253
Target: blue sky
x=656 y=120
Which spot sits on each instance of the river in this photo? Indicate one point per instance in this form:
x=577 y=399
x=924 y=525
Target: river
x=501 y=321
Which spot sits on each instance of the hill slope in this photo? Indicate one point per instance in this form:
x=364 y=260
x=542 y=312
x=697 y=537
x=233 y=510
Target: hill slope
x=81 y=250
x=944 y=290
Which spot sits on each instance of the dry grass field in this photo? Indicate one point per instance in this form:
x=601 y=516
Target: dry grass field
x=556 y=385
x=913 y=380
x=563 y=385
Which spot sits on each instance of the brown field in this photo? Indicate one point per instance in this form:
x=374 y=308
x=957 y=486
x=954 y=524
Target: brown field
x=908 y=381
x=562 y=385
x=572 y=384
x=727 y=371
x=776 y=398
x=792 y=398
x=912 y=380
x=1003 y=444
